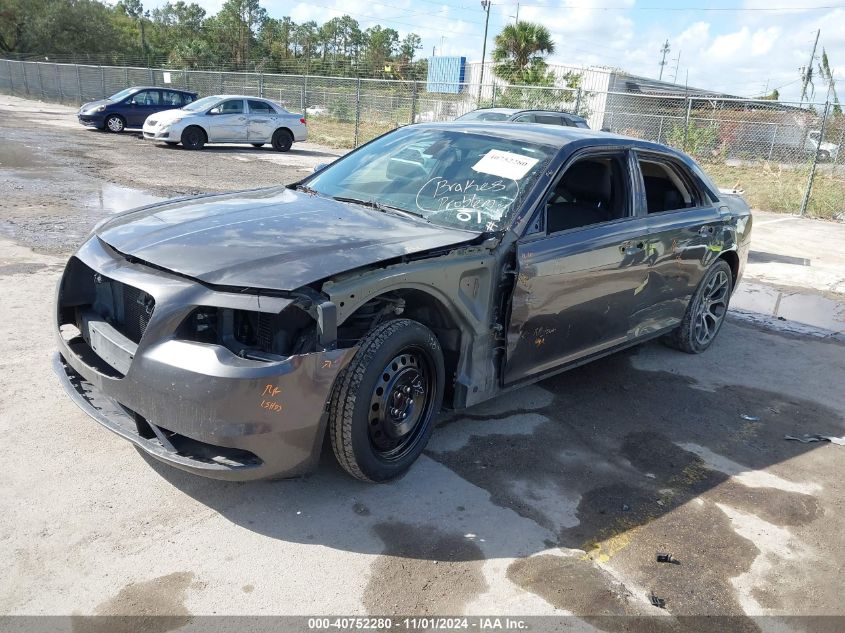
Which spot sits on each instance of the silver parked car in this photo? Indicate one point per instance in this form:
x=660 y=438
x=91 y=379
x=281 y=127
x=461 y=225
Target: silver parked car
x=227 y=119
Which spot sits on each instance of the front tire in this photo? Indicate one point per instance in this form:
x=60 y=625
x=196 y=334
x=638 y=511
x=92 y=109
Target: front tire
x=193 y=138
x=114 y=123
x=282 y=140
x=706 y=311
x=384 y=402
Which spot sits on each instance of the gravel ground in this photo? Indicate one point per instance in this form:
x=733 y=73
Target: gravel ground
x=551 y=501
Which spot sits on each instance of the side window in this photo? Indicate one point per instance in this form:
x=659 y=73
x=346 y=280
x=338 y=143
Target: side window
x=665 y=190
x=592 y=190
x=147 y=98
x=168 y=97
x=547 y=119
x=259 y=107
x=186 y=98
x=524 y=118
x=233 y=106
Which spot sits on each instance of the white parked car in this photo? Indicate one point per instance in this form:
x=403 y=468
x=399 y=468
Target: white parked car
x=227 y=119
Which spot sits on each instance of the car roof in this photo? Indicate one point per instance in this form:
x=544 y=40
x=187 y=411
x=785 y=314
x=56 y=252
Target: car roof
x=160 y=88
x=554 y=135
x=512 y=111
x=254 y=98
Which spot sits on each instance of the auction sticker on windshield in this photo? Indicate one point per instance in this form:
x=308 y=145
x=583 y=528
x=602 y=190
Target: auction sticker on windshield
x=505 y=164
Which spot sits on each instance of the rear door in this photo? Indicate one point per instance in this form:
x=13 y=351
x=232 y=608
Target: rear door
x=685 y=227
x=262 y=119
x=227 y=122
x=581 y=272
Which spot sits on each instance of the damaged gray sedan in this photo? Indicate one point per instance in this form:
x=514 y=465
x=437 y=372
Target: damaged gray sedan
x=437 y=266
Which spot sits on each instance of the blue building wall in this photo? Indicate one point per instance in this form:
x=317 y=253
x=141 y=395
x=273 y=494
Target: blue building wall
x=446 y=74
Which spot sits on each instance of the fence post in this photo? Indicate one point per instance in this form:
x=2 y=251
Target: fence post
x=40 y=81
x=686 y=122
x=126 y=76
x=578 y=101
x=11 y=77
x=261 y=85
x=809 y=188
x=660 y=129
x=414 y=102
x=493 y=101
x=221 y=83
x=357 y=110
x=25 y=78
x=772 y=147
x=59 y=84
x=103 y=81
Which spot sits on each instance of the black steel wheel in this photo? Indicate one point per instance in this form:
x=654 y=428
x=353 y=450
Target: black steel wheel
x=706 y=311
x=115 y=123
x=282 y=140
x=384 y=402
x=193 y=137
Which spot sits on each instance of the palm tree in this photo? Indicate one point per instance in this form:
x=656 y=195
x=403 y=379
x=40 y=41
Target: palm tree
x=520 y=51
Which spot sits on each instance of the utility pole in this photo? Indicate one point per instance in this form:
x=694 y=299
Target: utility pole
x=665 y=50
x=516 y=17
x=675 y=71
x=485 y=4
x=808 y=71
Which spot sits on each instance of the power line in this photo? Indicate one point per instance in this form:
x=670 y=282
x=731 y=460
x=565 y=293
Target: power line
x=713 y=9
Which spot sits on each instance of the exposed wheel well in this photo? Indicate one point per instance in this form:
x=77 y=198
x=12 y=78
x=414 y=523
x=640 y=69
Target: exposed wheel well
x=412 y=304
x=200 y=128
x=733 y=261
x=284 y=129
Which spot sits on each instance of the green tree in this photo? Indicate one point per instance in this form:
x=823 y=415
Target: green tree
x=380 y=47
x=520 y=52
x=236 y=24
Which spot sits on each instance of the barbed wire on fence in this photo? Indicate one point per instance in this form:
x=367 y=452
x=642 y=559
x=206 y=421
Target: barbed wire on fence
x=785 y=155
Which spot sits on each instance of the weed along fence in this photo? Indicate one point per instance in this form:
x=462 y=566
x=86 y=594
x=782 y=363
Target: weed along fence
x=784 y=156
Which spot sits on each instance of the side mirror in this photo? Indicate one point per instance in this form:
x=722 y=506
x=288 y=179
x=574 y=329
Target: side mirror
x=320 y=167
x=214 y=110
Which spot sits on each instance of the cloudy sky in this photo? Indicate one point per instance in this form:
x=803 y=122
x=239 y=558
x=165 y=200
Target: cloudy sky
x=741 y=47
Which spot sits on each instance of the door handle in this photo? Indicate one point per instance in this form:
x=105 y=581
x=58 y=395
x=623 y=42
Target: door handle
x=631 y=248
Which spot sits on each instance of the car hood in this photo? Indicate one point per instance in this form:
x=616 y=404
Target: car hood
x=273 y=238
x=94 y=104
x=165 y=116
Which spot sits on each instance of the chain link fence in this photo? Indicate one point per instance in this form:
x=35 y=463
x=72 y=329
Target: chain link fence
x=784 y=156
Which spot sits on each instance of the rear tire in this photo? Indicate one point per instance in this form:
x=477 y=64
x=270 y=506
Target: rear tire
x=114 y=123
x=258 y=144
x=282 y=140
x=193 y=138
x=383 y=404
x=706 y=311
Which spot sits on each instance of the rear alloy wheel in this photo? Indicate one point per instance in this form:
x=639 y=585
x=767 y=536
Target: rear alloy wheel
x=706 y=311
x=383 y=404
x=282 y=140
x=258 y=144
x=193 y=138
x=115 y=123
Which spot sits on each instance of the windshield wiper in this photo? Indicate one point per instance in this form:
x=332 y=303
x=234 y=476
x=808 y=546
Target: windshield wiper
x=379 y=206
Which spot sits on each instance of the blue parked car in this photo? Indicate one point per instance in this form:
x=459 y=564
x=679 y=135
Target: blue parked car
x=131 y=107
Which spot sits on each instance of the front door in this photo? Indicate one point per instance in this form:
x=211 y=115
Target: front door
x=580 y=279
x=141 y=105
x=227 y=122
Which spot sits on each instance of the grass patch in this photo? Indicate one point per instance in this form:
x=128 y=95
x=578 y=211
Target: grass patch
x=340 y=134
x=773 y=187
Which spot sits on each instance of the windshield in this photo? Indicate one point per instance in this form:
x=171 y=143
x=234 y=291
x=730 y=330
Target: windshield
x=459 y=179
x=484 y=115
x=117 y=96
x=201 y=104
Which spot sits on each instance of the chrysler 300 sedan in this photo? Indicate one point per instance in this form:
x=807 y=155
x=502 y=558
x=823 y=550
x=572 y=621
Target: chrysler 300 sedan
x=131 y=107
x=227 y=119
x=437 y=266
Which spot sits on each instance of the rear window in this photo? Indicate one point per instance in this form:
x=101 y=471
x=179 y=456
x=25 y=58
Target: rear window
x=260 y=107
